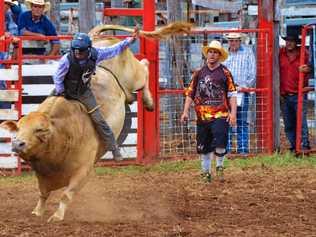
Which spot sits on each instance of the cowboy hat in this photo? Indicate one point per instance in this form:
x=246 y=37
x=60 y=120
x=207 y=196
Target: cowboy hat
x=234 y=35
x=218 y=46
x=11 y=2
x=292 y=38
x=29 y=3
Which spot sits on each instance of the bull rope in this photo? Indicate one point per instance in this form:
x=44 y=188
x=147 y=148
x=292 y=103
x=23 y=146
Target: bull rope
x=118 y=82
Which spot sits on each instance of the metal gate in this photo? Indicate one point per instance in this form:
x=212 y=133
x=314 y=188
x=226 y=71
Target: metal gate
x=309 y=91
x=177 y=140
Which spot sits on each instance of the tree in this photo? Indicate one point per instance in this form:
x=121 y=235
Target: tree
x=55 y=14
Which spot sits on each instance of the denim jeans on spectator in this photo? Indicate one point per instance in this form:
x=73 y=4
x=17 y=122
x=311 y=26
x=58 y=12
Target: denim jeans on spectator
x=3 y=85
x=242 y=129
x=4 y=105
x=289 y=110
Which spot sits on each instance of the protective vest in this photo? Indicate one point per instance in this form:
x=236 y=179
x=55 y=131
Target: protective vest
x=78 y=78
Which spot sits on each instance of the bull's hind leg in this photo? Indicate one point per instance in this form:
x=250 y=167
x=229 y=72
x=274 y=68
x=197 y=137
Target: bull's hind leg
x=75 y=183
x=147 y=98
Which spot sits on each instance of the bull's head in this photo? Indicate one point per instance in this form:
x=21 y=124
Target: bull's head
x=32 y=134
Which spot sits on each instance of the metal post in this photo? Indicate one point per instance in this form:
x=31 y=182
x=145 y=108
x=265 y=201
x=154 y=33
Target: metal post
x=151 y=119
x=276 y=74
x=86 y=15
x=2 y=26
x=265 y=21
x=300 y=95
x=55 y=14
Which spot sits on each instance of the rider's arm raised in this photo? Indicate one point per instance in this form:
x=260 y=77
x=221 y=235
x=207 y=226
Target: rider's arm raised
x=113 y=50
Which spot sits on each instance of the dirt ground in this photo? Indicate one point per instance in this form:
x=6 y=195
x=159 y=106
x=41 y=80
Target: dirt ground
x=252 y=202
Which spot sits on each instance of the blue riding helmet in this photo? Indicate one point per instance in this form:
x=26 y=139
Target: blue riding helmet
x=81 y=41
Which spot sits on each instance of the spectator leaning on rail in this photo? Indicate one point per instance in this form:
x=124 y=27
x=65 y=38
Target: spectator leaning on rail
x=73 y=76
x=11 y=29
x=35 y=23
x=16 y=8
x=213 y=92
x=242 y=64
x=10 y=24
x=289 y=76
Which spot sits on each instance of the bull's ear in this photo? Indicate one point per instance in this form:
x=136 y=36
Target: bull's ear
x=9 y=125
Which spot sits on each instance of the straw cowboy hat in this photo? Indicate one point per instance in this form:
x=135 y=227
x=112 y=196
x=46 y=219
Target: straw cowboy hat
x=11 y=2
x=234 y=35
x=29 y=3
x=218 y=46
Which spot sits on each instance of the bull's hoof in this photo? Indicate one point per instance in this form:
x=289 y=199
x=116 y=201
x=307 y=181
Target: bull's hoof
x=55 y=218
x=131 y=98
x=150 y=107
x=37 y=212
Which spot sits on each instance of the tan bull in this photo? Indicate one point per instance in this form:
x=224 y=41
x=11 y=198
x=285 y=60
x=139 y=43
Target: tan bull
x=59 y=140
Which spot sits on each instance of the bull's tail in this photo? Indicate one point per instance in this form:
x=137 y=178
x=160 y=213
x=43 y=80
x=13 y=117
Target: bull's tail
x=161 y=33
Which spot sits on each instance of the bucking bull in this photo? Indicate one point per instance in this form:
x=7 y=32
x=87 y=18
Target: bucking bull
x=59 y=140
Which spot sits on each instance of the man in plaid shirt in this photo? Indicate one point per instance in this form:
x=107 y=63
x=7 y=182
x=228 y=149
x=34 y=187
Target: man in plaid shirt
x=242 y=64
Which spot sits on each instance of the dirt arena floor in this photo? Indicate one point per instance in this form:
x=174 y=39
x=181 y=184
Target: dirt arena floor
x=252 y=202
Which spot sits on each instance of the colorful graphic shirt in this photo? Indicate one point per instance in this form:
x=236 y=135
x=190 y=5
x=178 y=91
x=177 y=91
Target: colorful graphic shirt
x=210 y=90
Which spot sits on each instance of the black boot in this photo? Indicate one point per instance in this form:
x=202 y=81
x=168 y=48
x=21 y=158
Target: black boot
x=220 y=173
x=117 y=156
x=206 y=177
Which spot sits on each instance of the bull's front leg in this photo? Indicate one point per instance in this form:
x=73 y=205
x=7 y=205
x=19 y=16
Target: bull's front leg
x=41 y=204
x=75 y=183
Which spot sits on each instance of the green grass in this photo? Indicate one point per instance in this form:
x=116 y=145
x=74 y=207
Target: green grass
x=24 y=177
x=273 y=161
x=161 y=167
x=276 y=160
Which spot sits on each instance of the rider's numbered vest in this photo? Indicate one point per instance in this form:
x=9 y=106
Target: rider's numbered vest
x=78 y=78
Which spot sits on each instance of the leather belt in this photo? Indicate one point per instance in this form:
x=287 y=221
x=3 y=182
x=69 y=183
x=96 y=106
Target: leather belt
x=290 y=94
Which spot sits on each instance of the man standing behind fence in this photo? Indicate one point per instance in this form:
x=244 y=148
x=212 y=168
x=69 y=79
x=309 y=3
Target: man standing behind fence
x=213 y=92
x=242 y=64
x=289 y=76
x=35 y=23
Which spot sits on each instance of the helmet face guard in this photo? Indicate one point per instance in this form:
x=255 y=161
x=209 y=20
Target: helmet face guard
x=80 y=51
x=81 y=42
x=81 y=54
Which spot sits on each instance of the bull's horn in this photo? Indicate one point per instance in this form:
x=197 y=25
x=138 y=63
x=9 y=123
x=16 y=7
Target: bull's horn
x=161 y=33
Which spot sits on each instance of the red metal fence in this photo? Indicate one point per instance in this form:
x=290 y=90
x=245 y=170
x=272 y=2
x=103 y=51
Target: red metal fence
x=177 y=140
x=308 y=92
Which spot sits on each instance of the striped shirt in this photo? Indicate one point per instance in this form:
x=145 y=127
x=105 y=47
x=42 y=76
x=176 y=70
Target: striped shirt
x=242 y=65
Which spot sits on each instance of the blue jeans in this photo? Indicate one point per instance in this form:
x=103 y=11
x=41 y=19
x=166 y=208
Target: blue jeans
x=3 y=86
x=4 y=105
x=289 y=110
x=242 y=127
